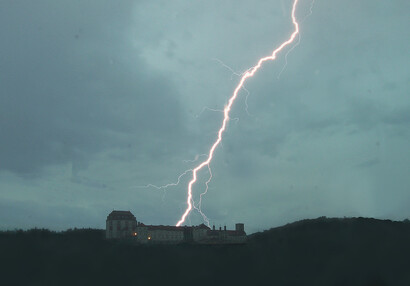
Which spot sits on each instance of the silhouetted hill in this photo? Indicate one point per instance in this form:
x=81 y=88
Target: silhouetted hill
x=354 y=251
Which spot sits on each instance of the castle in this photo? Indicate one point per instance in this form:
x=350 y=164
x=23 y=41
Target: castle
x=123 y=225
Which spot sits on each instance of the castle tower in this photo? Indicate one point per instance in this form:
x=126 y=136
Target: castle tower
x=120 y=224
x=240 y=227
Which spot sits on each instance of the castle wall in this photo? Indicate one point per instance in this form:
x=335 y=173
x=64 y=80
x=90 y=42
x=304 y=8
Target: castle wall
x=120 y=228
x=199 y=234
x=122 y=224
x=150 y=234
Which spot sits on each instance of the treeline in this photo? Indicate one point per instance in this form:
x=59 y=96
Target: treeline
x=353 y=251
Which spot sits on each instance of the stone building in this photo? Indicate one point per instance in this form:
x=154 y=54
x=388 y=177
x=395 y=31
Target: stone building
x=227 y=236
x=120 y=224
x=169 y=234
x=123 y=224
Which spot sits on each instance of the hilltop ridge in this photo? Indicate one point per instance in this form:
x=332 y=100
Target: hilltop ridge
x=322 y=251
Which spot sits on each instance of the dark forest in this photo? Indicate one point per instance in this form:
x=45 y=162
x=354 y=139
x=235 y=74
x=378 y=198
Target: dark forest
x=322 y=251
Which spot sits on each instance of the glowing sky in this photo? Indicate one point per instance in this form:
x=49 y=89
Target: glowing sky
x=99 y=97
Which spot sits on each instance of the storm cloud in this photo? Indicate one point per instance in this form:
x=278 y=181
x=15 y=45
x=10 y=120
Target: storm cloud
x=73 y=85
x=99 y=98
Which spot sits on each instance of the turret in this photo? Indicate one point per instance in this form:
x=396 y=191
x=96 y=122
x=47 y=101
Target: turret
x=239 y=227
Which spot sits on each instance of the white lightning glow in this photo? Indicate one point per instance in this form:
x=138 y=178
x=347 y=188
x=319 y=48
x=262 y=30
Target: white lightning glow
x=249 y=73
x=164 y=187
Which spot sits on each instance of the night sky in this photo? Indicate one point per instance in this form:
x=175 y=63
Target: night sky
x=98 y=98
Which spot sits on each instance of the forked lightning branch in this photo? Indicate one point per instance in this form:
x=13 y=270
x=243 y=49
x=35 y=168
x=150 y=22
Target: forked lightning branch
x=210 y=155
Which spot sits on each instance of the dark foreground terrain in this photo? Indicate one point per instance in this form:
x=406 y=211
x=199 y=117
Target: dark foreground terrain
x=322 y=251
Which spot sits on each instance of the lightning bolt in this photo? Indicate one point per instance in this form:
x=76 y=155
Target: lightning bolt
x=236 y=74
x=249 y=73
x=298 y=42
x=199 y=205
x=210 y=109
x=164 y=187
x=195 y=159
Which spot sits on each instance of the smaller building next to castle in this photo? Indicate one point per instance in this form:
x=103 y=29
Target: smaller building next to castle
x=123 y=224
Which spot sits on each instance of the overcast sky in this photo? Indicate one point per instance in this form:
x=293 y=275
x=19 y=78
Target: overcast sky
x=99 y=98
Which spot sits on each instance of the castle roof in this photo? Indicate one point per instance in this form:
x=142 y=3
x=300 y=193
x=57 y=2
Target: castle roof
x=165 y=227
x=121 y=215
x=227 y=232
x=173 y=228
x=203 y=226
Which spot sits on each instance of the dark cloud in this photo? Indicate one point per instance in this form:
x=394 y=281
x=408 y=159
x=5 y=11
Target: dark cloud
x=401 y=116
x=369 y=163
x=73 y=87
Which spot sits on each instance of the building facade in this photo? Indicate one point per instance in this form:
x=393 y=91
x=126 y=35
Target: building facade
x=120 y=224
x=123 y=224
x=227 y=236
